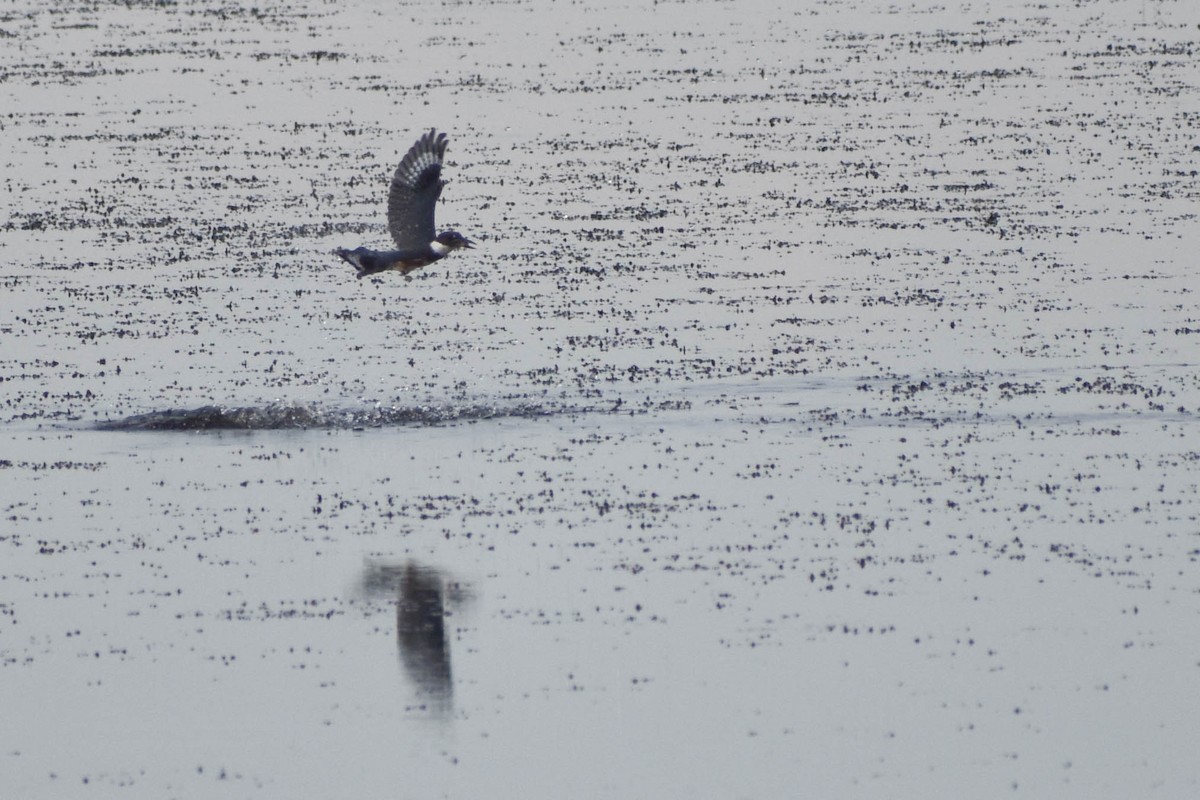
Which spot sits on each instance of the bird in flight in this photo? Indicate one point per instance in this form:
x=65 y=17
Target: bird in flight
x=416 y=185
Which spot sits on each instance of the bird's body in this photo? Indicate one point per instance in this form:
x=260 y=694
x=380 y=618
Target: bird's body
x=416 y=186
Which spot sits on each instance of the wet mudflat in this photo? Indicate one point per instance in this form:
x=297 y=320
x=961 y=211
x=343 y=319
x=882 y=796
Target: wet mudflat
x=817 y=416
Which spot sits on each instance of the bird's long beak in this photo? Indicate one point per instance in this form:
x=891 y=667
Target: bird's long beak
x=468 y=244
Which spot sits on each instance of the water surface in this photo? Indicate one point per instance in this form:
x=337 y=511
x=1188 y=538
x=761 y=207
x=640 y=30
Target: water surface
x=816 y=416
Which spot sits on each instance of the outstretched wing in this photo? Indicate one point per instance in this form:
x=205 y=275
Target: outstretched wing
x=416 y=186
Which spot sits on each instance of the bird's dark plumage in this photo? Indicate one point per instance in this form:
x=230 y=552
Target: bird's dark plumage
x=412 y=198
x=415 y=188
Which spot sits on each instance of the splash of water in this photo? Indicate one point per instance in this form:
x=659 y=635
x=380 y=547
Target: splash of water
x=290 y=416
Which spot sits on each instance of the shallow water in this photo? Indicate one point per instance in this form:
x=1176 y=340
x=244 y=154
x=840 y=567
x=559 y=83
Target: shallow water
x=816 y=416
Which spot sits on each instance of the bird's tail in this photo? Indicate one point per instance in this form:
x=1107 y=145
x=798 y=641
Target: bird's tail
x=354 y=259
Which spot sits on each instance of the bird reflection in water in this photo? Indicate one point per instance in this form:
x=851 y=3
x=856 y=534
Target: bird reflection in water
x=424 y=596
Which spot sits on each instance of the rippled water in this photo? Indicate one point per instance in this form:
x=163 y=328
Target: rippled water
x=815 y=417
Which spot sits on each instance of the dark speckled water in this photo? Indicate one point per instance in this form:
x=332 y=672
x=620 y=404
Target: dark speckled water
x=816 y=416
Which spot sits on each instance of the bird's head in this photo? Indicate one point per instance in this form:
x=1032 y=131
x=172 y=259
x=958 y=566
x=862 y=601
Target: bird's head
x=453 y=240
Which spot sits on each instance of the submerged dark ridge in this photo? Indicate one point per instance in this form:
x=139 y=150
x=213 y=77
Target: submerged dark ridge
x=287 y=416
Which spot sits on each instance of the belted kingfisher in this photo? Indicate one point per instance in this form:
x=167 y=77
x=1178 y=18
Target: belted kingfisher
x=416 y=185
